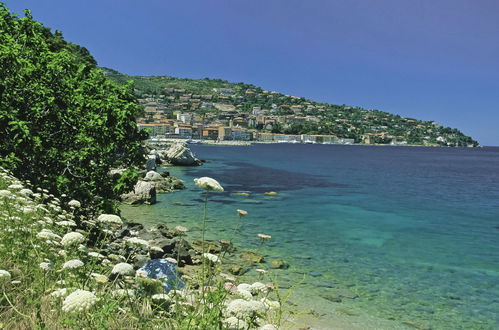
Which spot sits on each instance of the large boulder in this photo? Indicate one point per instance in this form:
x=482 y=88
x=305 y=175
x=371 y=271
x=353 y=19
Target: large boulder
x=144 y=192
x=180 y=154
x=163 y=183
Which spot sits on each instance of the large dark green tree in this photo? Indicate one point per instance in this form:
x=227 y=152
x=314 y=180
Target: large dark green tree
x=63 y=125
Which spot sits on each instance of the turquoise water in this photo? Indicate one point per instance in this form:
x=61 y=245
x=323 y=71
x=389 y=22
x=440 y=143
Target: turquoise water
x=413 y=232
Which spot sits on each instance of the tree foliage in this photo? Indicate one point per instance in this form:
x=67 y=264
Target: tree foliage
x=63 y=125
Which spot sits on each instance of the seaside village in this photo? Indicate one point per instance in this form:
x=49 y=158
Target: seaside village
x=177 y=114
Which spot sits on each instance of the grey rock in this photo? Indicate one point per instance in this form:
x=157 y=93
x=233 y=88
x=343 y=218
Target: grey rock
x=143 y=193
x=279 y=264
x=180 y=154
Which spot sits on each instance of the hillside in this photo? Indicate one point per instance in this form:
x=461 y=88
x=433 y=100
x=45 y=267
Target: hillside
x=219 y=102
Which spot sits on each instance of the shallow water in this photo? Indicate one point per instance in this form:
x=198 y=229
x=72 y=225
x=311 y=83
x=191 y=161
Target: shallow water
x=413 y=232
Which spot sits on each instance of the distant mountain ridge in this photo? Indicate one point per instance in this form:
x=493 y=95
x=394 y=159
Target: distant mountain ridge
x=254 y=108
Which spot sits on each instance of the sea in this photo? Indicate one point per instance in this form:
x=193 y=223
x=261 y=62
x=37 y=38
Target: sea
x=376 y=237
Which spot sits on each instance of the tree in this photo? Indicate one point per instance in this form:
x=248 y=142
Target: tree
x=63 y=125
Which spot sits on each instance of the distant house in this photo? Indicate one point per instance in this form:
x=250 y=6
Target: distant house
x=224 y=91
x=210 y=133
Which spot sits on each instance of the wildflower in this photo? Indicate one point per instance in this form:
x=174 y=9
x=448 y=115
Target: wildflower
x=156 y=249
x=208 y=184
x=59 y=293
x=245 y=294
x=15 y=282
x=120 y=293
x=28 y=192
x=45 y=265
x=241 y=213
x=47 y=234
x=79 y=301
x=74 y=204
x=123 y=269
x=69 y=223
x=15 y=186
x=160 y=297
x=73 y=264
x=109 y=219
x=268 y=327
x=258 y=287
x=137 y=242
x=181 y=229
x=72 y=238
x=244 y=286
x=211 y=257
x=4 y=276
x=260 y=270
x=264 y=237
x=270 y=304
x=5 y=193
x=239 y=307
x=96 y=255
x=233 y=323
x=101 y=278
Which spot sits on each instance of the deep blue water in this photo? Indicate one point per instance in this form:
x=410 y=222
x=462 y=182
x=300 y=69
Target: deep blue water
x=414 y=232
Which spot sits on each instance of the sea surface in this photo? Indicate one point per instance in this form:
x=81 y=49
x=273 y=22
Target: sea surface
x=404 y=237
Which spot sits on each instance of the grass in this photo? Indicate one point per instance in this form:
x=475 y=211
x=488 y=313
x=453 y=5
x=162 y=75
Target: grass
x=40 y=292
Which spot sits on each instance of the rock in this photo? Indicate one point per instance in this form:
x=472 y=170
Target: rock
x=279 y=264
x=237 y=270
x=331 y=297
x=345 y=293
x=143 y=193
x=163 y=184
x=180 y=154
x=151 y=163
x=140 y=260
x=165 y=174
x=208 y=247
x=251 y=257
x=153 y=176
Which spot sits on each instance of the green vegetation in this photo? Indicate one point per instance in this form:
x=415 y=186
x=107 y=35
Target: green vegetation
x=53 y=276
x=298 y=115
x=64 y=126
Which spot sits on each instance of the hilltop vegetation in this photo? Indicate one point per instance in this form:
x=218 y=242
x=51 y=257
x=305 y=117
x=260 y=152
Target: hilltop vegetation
x=287 y=114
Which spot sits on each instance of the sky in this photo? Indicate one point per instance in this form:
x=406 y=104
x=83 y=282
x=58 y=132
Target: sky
x=426 y=59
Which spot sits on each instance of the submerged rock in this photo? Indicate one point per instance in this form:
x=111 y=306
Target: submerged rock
x=251 y=257
x=279 y=264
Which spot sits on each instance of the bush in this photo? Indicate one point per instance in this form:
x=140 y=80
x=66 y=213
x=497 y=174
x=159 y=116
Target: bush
x=63 y=125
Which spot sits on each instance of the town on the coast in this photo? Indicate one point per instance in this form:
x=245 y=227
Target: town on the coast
x=217 y=111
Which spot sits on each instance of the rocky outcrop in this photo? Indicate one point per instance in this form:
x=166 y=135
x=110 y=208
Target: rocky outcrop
x=144 y=192
x=180 y=154
x=163 y=182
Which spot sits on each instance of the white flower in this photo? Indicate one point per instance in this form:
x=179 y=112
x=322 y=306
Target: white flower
x=245 y=294
x=156 y=249
x=79 y=301
x=233 y=323
x=73 y=264
x=72 y=238
x=109 y=219
x=5 y=193
x=74 y=203
x=59 y=293
x=137 y=242
x=208 y=184
x=4 y=276
x=15 y=186
x=160 y=297
x=244 y=286
x=69 y=223
x=256 y=306
x=268 y=327
x=120 y=293
x=123 y=269
x=45 y=265
x=270 y=304
x=47 y=234
x=239 y=307
x=26 y=192
x=211 y=257
x=258 y=287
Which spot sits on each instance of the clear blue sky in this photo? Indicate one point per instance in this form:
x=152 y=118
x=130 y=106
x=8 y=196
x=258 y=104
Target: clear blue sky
x=427 y=59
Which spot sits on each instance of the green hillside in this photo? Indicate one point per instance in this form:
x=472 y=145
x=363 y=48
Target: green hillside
x=365 y=126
